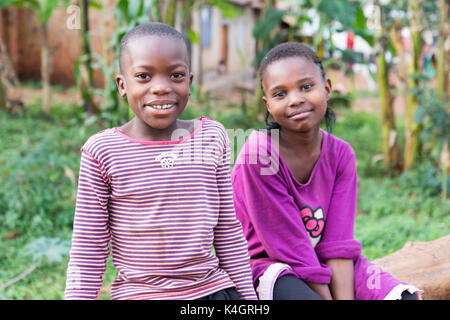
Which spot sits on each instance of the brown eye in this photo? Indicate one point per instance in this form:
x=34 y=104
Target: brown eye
x=142 y=76
x=178 y=75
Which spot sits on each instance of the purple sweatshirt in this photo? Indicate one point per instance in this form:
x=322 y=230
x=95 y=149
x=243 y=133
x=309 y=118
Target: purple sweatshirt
x=303 y=225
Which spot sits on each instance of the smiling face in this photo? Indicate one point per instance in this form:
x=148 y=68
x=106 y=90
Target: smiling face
x=295 y=93
x=156 y=80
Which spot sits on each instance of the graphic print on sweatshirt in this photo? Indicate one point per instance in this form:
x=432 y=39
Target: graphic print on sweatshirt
x=314 y=223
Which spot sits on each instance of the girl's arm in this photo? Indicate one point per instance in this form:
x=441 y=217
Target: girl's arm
x=342 y=279
x=229 y=242
x=337 y=239
x=338 y=247
x=90 y=233
x=272 y=218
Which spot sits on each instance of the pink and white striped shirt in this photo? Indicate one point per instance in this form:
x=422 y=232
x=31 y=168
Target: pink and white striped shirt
x=161 y=206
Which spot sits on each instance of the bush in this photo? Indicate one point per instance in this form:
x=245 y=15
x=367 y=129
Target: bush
x=39 y=166
x=362 y=131
x=391 y=210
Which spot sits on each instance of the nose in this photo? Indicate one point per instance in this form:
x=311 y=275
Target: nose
x=160 y=87
x=296 y=98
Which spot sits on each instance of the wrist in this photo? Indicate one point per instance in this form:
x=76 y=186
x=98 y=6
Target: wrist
x=321 y=289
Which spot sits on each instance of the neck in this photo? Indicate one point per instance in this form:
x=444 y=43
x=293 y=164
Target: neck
x=305 y=142
x=142 y=131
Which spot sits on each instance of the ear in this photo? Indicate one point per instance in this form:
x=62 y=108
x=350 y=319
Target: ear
x=266 y=103
x=328 y=88
x=191 y=77
x=121 y=85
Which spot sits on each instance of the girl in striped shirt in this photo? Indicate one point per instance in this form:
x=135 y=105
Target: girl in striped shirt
x=158 y=190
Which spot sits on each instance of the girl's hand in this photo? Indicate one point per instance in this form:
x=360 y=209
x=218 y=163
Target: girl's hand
x=321 y=289
x=419 y=295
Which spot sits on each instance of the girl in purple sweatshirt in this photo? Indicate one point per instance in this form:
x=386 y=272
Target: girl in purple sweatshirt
x=295 y=189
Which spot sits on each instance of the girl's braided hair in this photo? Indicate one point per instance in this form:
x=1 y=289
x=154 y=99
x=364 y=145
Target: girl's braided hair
x=293 y=49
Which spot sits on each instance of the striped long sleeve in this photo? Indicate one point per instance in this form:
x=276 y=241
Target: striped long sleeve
x=229 y=241
x=90 y=233
x=161 y=206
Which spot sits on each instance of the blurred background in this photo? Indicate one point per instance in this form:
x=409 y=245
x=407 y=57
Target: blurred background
x=388 y=61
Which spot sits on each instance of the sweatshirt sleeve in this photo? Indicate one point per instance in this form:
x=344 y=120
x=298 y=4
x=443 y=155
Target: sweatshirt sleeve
x=263 y=202
x=337 y=240
x=229 y=241
x=91 y=234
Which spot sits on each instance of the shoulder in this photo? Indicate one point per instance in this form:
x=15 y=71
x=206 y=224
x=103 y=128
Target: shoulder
x=340 y=155
x=213 y=125
x=100 y=141
x=337 y=148
x=257 y=144
x=259 y=154
x=213 y=129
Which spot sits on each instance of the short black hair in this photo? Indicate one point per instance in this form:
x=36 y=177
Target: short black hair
x=287 y=50
x=150 y=29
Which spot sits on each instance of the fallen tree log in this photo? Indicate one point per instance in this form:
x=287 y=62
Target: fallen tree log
x=425 y=265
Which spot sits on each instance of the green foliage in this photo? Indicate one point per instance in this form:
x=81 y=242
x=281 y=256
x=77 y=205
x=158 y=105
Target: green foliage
x=342 y=11
x=45 y=8
x=339 y=100
x=39 y=166
x=267 y=31
x=39 y=163
x=363 y=132
x=383 y=235
x=433 y=114
x=52 y=249
x=271 y=20
x=391 y=210
x=228 y=10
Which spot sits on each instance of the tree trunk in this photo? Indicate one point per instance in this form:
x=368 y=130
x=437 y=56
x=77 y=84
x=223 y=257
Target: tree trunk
x=186 y=23
x=45 y=70
x=424 y=265
x=391 y=153
x=86 y=71
x=170 y=13
x=3 y=77
x=3 y=97
x=200 y=55
x=156 y=11
x=397 y=41
x=412 y=142
x=260 y=107
x=442 y=69
x=10 y=93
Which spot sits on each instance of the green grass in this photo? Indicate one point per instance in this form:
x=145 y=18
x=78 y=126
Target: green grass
x=39 y=164
x=391 y=210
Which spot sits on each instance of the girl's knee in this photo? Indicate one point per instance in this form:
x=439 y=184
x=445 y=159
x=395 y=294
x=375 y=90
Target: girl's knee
x=289 y=287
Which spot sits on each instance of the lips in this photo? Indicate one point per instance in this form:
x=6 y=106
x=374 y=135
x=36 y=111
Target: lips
x=300 y=114
x=160 y=105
